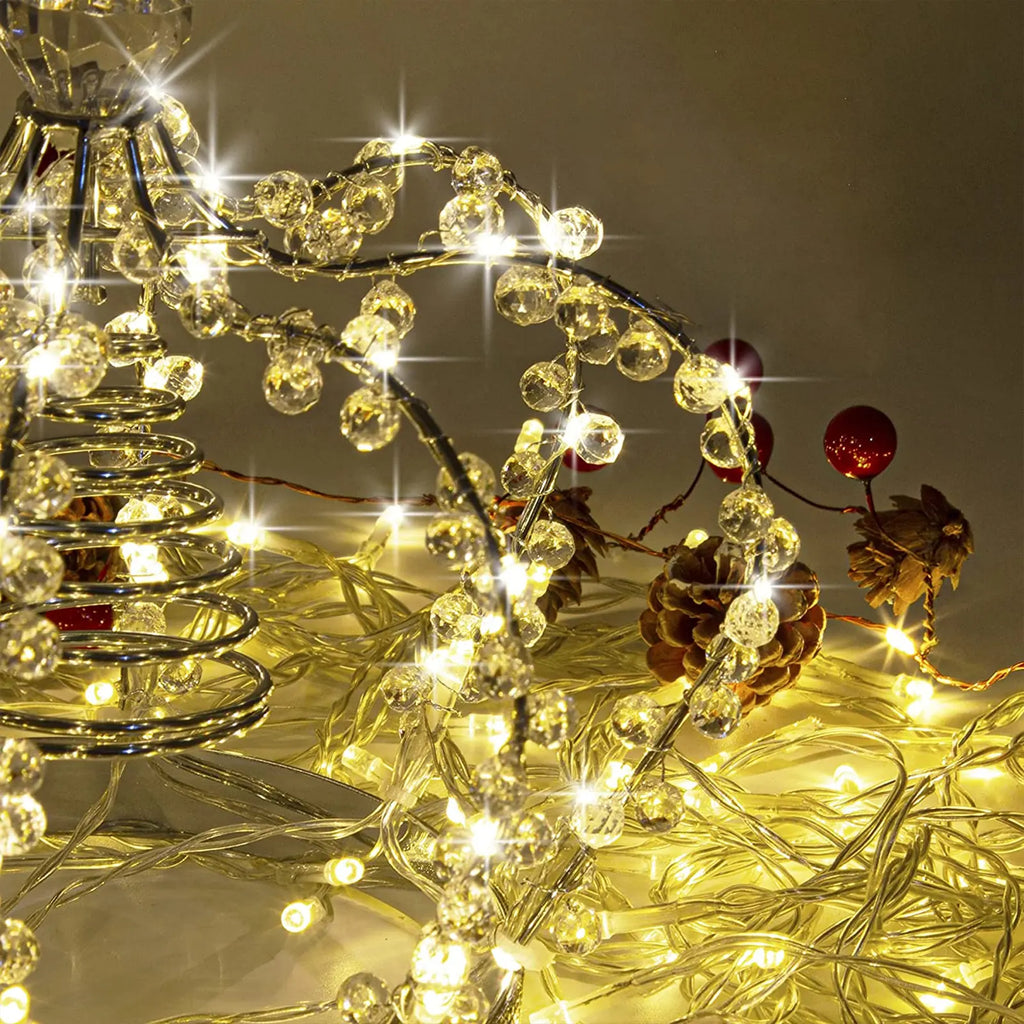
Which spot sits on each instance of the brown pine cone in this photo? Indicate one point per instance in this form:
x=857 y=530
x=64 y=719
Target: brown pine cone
x=686 y=607
x=904 y=544
x=89 y=564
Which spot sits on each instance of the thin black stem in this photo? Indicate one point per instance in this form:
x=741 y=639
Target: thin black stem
x=845 y=509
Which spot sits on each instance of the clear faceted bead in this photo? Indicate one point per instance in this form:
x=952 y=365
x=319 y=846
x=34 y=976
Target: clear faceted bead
x=467 y=218
x=49 y=273
x=363 y=999
x=19 y=322
x=526 y=295
x=208 y=311
x=22 y=824
x=370 y=209
x=600 y=347
x=480 y=474
x=643 y=352
x=391 y=175
x=580 y=311
x=636 y=719
x=500 y=784
x=284 y=198
x=440 y=962
x=746 y=514
x=575 y=927
x=405 y=687
x=139 y=510
x=574 y=233
x=456 y=538
x=293 y=384
x=369 y=419
x=659 y=806
x=522 y=472
x=530 y=621
x=329 y=235
x=533 y=840
x=551 y=544
x=782 y=546
x=701 y=384
x=19 y=952
x=715 y=710
x=72 y=358
x=453 y=853
x=42 y=485
x=374 y=338
x=552 y=716
x=736 y=662
x=173 y=206
x=478 y=172
x=181 y=375
x=135 y=255
x=142 y=617
x=386 y=300
x=181 y=677
x=719 y=444
x=467 y=910
x=545 y=386
x=32 y=571
x=454 y=616
x=21 y=767
x=595 y=437
x=29 y=645
x=750 y=620
x=502 y=667
x=599 y=820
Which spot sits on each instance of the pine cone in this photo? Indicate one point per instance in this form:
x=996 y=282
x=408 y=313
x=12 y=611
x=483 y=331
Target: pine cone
x=903 y=545
x=570 y=508
x=89 y=564
x=686 y=607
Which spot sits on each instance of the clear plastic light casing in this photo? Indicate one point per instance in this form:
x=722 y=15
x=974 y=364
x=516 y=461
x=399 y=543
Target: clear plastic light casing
x=92 y=57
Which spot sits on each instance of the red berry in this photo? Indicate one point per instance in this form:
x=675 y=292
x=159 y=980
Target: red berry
x=764 y=438
x=90 y=616
x=579 y=465
x=743 y=356
x=860 y=442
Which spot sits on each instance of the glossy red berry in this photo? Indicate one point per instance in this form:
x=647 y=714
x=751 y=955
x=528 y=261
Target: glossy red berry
x=90 y=616
x=764 y=438
x=860 y=442
x=743 y=356
x=579 y=465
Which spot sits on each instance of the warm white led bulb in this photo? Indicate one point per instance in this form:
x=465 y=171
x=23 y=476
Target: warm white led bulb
x=344 y=870
x=13 y=1005
x=298 y=916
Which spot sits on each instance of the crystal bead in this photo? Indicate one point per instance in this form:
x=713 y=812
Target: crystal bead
x=575 y=927
x=782 y=546
x=21 y=767
x=522 y=472
x=19 y=321
x=573 y=233
x=363 y=999
x=551 y=544
x=702 y=384
x=72 y=358
x=182 y=677
x=405 y=687
x=715 y=710
x=284 y=198
x=22 y=824
x=370 y=209
x=502 y=667
x=526 y=295
x=636 y=720
x=391 y=176
x=369 y=419
x=209 y=311
x=453 y=853
x=454 y=616
x=32 y=571
x=292 y=385
x=719 y=444
x=545 y=386
x=6 y=288
x=751 y=621
x=181 y=375
x=48 y=274
x=173 y=206
x=467 y=910
x=530 y=621
x=467 y=218
x=643 y=352
x=659 y=806
x=439 y=962
x=581 y=311
x=477 y=171
x=470 y=1006
x=598 y=820
x=600 y=347
x=177 y=122
x=141 y=617
x=135 y=255
x=533 y=840
x=595 y=437
x=746 y=514
x=386 y=300
x=375 y=339
x=326 y=236
x=500 y=784
x=736 y=662
x=138 y=510
x=480 y=474
x=456 y=538
x=19 y=952
x=41 y=485
x=29 y=646
x=552 y=716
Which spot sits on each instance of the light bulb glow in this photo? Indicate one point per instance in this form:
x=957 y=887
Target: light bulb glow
x=485 y=837
x=344 y=871
x=143 y=561
x=407 y=143
x=99 y=694
x=762 y=589
x=298 y=916
x=695 y=538
x=246 y=534
x=899 y=641
x=14 y=1003
x=454 y=812
x=41 y=364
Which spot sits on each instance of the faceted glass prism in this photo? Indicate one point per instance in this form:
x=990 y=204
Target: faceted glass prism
x=95 y=58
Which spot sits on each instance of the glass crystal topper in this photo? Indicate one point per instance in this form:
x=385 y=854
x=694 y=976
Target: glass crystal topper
x=95 y=58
